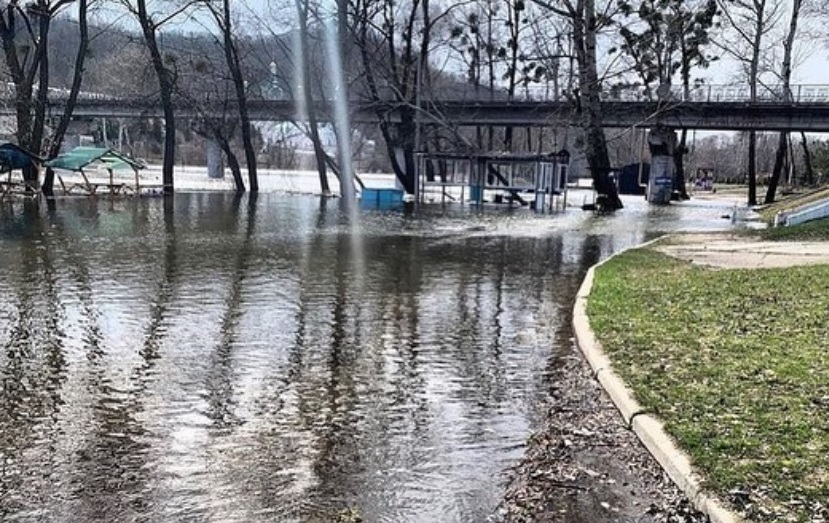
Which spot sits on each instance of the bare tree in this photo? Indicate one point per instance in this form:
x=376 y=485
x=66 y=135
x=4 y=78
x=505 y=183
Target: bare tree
x=24 y=32
x=516 y=21
x=337 y=53
x=151 y=22
x=585 y=22
x=750 y=23
x=74 y=91
x=669 y=40
x=473 y=38
x=785 y=79
x=394 y=41
x=207 y=87
x=303 y=8
x=224 y=20
x=304 y=64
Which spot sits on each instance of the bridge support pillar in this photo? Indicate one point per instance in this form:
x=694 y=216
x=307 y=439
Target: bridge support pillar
x=662 y=144
x=215 y=162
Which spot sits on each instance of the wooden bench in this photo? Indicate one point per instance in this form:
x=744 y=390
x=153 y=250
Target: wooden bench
x=95 y=188
x=12 y=187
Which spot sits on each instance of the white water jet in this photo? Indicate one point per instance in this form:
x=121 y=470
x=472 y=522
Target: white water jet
x=342 y=126
x=299 y=77
x=342 y=122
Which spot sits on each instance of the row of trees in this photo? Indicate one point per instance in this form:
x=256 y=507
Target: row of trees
x=722 y=157
x=209 y=53
x=25 y=29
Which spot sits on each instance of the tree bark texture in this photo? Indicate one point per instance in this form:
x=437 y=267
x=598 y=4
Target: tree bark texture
x=165 y=84
x=74 y=91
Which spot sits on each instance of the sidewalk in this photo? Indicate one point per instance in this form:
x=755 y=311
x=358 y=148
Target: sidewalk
x=736 y=251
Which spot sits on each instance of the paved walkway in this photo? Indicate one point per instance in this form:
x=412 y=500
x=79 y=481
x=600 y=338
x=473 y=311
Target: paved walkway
x=735 y=251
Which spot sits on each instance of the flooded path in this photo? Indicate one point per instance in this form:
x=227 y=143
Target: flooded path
x=208 y=358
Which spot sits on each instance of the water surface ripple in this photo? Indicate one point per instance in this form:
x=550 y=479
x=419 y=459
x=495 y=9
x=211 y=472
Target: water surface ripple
x=210 y=358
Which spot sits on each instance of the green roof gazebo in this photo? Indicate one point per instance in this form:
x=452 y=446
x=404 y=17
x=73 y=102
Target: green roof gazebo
x=81 y=158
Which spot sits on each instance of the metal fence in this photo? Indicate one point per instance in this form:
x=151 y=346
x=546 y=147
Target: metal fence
x=798 y=94
x=802 y=93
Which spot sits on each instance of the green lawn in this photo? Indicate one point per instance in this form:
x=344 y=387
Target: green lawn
x=790 y=202
x=736 y=362
x=817 y=230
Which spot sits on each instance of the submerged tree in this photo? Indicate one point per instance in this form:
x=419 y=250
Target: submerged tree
x=669 y=39
x=151 y=21
x=24 y=31
x=337 y=52
x=305 y=87
x=585 y=22
x=224 y=21
x=205 y=85
x=74 y=91
x=389 y=38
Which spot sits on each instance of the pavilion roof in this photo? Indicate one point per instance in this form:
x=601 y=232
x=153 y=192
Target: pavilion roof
x=14 y=157
x=82 y=157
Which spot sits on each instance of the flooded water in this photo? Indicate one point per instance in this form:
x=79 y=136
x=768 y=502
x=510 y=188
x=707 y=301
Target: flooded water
x=208 y=358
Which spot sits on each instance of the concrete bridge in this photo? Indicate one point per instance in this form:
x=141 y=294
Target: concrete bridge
x=730 y=108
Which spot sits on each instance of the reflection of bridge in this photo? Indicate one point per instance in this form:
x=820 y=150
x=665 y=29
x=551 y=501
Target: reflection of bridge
x=707 y=107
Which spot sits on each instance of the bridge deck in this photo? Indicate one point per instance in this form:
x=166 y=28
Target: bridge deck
x=723 y=108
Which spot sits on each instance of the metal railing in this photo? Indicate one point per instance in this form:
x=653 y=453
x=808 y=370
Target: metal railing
x=7 y=93
x=801 y=93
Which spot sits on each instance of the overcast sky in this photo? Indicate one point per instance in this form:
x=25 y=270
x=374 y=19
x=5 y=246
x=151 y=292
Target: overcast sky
x=813 y=67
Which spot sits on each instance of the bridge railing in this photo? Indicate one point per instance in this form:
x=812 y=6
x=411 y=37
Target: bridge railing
x=56 y=94
x=801 y=93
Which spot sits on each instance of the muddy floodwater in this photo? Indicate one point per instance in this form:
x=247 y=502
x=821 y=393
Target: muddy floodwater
x=207 y=358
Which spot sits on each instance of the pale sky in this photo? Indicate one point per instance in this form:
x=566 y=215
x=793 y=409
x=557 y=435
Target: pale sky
x=813 y=69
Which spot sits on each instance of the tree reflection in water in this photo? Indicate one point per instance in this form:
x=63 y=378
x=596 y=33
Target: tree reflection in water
x=211 y=357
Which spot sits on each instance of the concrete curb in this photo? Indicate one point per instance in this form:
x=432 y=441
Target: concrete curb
x=647 y=428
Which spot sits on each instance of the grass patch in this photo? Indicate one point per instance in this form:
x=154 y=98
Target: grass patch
x=817 y=230
x=736 y=362
x=768 y=212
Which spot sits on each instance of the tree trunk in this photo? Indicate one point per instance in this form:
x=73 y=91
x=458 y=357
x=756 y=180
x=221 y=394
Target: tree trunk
x=305 y=70
x=490 y=49
x=786 y=78
x=405 y=128
x=168 y=164
x=35 y=144
x=232 y=162
x=234 y=65
x=25 y=73
x=342 y=124
x=74 y=90
x=22 y=78
x=807 y=160
x=753 y=77
x=165 y=84
x=584 y=40
x=41 y=102
x=405 y=141
x=752 y=168
x=779 y=159
x=514 y=14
